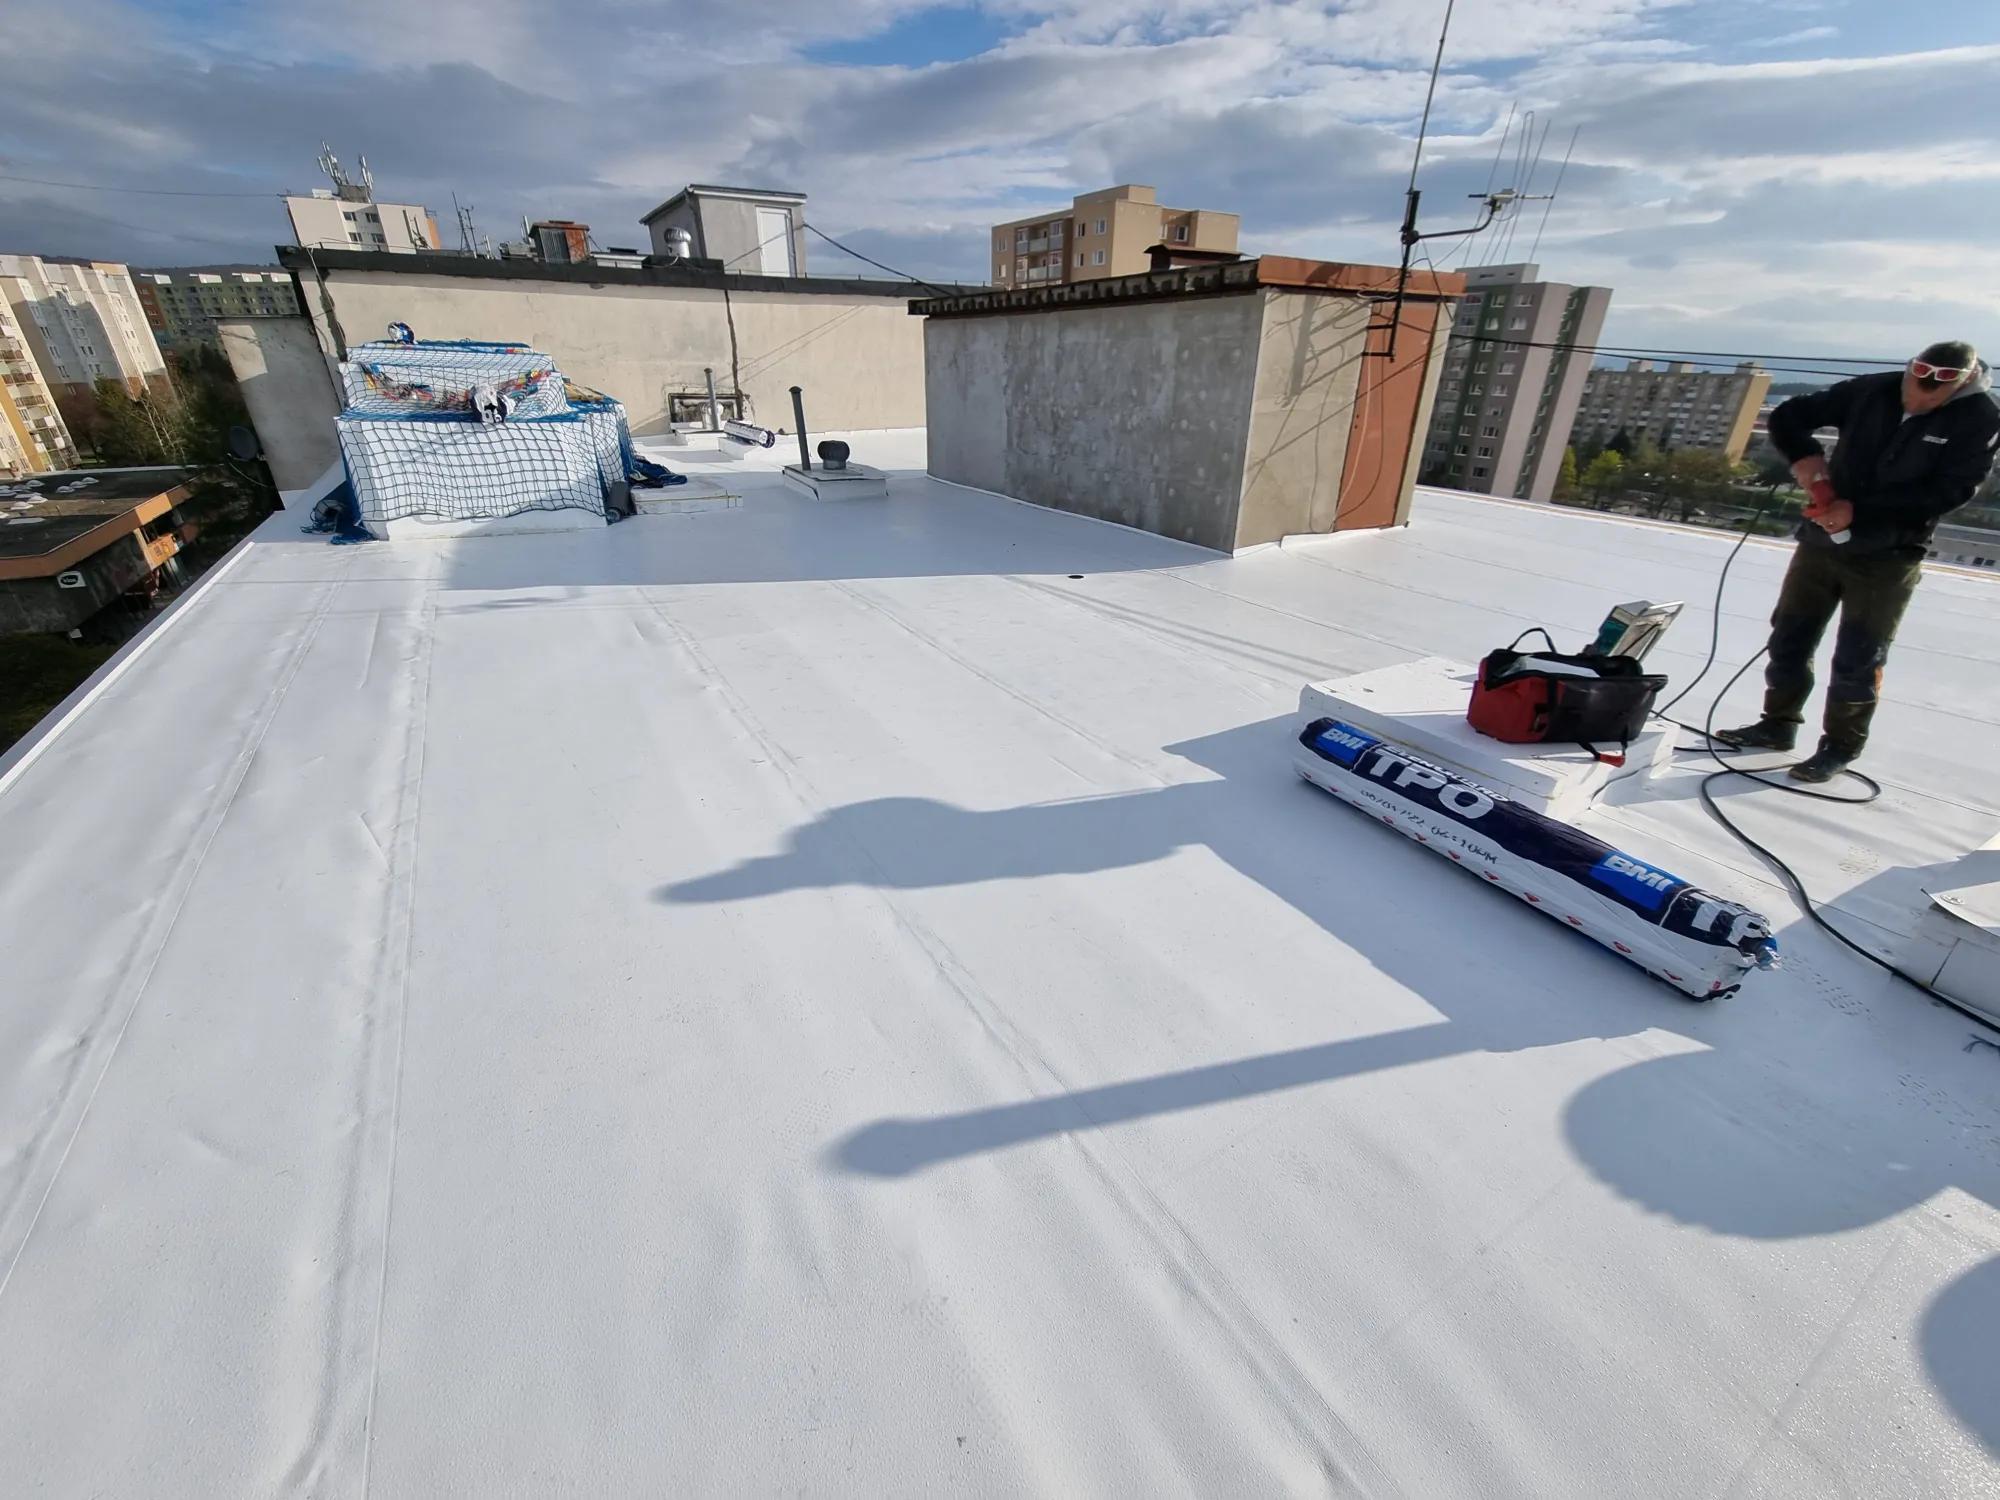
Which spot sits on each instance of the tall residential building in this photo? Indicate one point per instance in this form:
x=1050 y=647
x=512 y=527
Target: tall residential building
x=183 y=302
x=33 y=435
x=1677 y=406
x=1105 y=233
x=1513 y=377
x=82 y=322
x=349 y=219
x=752 y=231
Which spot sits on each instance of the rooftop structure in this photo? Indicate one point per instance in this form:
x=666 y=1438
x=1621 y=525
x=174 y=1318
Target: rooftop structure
x=1232 y=403
x=854 y=997
x=751 y=231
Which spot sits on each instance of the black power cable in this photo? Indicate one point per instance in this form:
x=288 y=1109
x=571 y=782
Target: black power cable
x=1873 y=789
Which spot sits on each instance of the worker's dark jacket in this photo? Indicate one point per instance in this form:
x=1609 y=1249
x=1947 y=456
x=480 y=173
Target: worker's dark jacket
x=1901 y=475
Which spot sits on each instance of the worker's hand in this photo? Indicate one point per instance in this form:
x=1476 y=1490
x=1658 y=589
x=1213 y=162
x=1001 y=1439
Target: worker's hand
x=1809 y=470
x=1835 y=517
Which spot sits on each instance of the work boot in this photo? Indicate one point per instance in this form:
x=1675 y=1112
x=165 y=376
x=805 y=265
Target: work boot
x=1823 y=764
x=1765 y=734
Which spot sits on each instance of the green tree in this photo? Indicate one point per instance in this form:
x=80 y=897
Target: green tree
x=1605 y=474
x=1566 y=478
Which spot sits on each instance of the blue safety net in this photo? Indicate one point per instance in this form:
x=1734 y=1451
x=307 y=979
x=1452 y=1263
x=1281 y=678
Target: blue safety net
x=415 y=443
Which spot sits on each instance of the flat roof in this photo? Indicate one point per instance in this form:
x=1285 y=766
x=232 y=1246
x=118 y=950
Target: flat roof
x=853 y=996
x=36 y=521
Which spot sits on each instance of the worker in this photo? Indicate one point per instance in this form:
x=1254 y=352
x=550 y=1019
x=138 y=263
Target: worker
x=1914 y=445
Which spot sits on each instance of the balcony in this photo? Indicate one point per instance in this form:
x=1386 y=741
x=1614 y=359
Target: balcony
x=1042 y=273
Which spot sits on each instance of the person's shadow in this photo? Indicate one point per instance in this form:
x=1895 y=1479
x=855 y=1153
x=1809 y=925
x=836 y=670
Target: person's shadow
x=1671 y=1133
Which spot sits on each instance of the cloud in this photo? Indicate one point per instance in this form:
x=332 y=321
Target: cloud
x=1793 y=38
x=1711 y=183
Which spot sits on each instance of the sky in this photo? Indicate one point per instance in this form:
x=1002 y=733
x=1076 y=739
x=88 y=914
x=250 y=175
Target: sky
x=1765 y=176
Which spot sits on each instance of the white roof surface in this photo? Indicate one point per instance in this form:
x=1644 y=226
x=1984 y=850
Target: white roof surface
x=813 y=998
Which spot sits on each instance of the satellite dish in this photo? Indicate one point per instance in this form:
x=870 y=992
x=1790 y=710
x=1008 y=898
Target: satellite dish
x=243 y=444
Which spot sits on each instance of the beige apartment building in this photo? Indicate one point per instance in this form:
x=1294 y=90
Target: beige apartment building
x=82 y=322
x=33 y=436
x=1105 y=233
x=350 y=220
x=1675 y=405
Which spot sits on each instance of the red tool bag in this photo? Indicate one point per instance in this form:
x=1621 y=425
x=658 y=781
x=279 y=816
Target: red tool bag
x=1538 y=697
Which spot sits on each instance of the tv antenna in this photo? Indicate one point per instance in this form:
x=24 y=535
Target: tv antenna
x=1494 y=205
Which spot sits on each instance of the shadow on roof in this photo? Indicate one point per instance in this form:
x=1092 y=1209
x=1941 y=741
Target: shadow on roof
x=1668 y=1132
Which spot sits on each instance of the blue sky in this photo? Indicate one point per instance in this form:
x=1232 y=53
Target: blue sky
x=1784 y=176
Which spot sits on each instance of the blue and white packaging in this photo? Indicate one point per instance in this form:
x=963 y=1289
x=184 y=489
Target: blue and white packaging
x=1699 y=943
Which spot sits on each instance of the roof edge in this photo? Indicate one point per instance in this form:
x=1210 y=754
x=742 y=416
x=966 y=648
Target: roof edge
x=438 y=263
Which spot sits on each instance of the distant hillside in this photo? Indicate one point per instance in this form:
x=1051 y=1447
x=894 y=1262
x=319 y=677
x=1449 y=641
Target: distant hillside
x=1798 y=388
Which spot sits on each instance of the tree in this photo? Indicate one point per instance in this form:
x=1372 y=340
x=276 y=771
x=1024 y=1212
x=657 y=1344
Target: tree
x=1566 y=477
x=1620 y=444
x=1605 y=474
x=1691 y=477
x=182 y=416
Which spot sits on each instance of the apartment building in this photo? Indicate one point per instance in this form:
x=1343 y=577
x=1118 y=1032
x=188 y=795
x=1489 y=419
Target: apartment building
x=1513 y=379
x=1105 y=233
x=82 y=322
x=33 y=436
x=350 y=219
x=1675 y=405
x=182 y=303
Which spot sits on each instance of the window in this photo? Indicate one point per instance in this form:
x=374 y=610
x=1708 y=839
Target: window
x=1100 y=226
x=1507 y=368
x=1055 y=234
x=1518 y=324
x=1485 y=450
x=1021 y=237
x=1489 y=431
x=1479 y=471
x=1097 y=257
x=1180 y=234
x=1501 y=390
x=1079 y=257
x=1459 y=450
x=1477 y=390
x=1000 y=270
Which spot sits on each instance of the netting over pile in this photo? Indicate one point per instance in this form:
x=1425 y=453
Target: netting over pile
x=388 y=378
x=448 y=468
x=414 y=447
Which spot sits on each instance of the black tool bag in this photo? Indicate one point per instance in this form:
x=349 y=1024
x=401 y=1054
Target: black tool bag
x=1587 y=699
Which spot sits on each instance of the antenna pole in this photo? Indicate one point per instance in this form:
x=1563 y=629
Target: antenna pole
x=1409 y=234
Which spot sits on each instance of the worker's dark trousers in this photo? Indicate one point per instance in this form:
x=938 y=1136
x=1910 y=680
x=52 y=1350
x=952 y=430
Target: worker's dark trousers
x=1871 y=592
